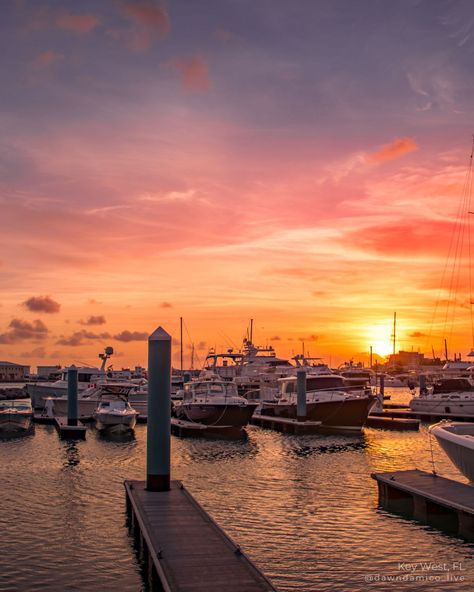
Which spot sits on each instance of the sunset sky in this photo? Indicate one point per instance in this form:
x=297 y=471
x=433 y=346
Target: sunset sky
x=300 y=163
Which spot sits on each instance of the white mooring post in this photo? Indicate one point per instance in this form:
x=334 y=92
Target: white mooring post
x=159 y=411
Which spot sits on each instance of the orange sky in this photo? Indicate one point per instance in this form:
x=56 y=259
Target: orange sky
x=159 y=162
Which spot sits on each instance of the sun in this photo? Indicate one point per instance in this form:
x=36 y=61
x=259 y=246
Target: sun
x=380 y=338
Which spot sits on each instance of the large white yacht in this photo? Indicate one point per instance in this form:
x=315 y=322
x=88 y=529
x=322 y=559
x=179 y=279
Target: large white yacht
x=86 y=377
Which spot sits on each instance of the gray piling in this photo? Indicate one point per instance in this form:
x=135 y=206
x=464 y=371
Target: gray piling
x=301 y=395
x=423 y=389
x=159 y=411
x=382 y=386
x=72 y=396
x=187 y=377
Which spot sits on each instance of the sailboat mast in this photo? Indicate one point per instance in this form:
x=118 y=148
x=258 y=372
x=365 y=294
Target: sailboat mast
x=251 y=331
x=181 y=344
x=394 y=331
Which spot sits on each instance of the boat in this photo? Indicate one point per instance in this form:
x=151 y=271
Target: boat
x=356 y=374
x=453 y=396
x=16 y=417
x=457 y=441
x=88 y=400
x=114 y=413
x=86 y=378
x=215 y=402
x=326 y=401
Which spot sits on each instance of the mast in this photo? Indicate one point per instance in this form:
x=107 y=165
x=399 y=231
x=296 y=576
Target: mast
x=394 y=331
x=371 y=356
x=446 y=349
x=251 y=331
x=192 y=356
x=181 y=344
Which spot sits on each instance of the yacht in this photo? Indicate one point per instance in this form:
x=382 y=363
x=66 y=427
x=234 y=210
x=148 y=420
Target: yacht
x=86 y=377
x=114 y=414
x=457 y=441
x=16 y=416
x=355 y=374
x=213 y=402
x=88 y=400
x=326 y=401
x=454 y=396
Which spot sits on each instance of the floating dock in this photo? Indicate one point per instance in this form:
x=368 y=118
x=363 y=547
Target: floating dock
x=181 y=546
x=429 y=498
x=69 y=432
x=285 y=425
x=191 y=429
x=392 y=423
x=428 y=416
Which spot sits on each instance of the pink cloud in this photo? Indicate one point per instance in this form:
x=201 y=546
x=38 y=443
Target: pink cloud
x=194 y=73
x=399 y=147
x=78 y=23
x=46 y=59
x=149 y=22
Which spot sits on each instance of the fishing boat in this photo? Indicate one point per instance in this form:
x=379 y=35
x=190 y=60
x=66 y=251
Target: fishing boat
x=326 y=401
x=457 y=441
x=213 y=401
x=15 y=416
x=114 y=414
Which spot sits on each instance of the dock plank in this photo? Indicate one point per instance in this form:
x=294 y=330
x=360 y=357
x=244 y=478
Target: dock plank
x=190 y=551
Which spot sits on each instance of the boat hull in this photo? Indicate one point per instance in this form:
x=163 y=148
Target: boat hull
x=117 y=424
x=347 y=415
x=217 y=415
x=87 y=406
x=459 y=450
x=443 y=405
x=11 y=422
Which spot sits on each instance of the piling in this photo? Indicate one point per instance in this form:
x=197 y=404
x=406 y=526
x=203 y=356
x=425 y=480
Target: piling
x=423 y=389
x=187 y=377
x=159 y=411
x=301 y=394
x=382 y=386
x=72 y=396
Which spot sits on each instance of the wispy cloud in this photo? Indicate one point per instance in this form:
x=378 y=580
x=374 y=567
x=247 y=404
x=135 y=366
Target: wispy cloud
x=77 y=23
x=194 y=73
x=93 y=320
x=395 y=149
x=46 y=59
x=20 y=330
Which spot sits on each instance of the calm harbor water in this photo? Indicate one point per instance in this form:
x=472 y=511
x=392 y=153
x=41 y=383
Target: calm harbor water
x=304 y=508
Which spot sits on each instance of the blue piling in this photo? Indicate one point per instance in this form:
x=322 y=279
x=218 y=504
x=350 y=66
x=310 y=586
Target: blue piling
x=301 y=395
x=423 y=389
x=187 y=377
x=159 y=411
x=72 y=396
x=382 y=386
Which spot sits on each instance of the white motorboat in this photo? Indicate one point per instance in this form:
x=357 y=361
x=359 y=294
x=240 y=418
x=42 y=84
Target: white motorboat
x=88 y=400
x=457 y=440
x=114 y=414
x=447 y=396
x=214 y=402
x=15 y=416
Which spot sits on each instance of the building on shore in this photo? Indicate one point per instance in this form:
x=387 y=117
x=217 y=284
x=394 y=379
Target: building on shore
x=48 y=372
x=11 y=372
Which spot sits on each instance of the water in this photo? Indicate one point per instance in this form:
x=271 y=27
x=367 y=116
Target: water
x=304 y=508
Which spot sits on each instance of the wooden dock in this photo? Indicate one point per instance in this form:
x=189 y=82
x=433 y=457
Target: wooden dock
x=181 y=546
x=392 y=423
x=429 y=498
x=286 y=425
x=192 y=429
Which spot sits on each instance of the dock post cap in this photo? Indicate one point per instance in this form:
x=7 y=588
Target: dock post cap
x=159 y=335
x=72 y=367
